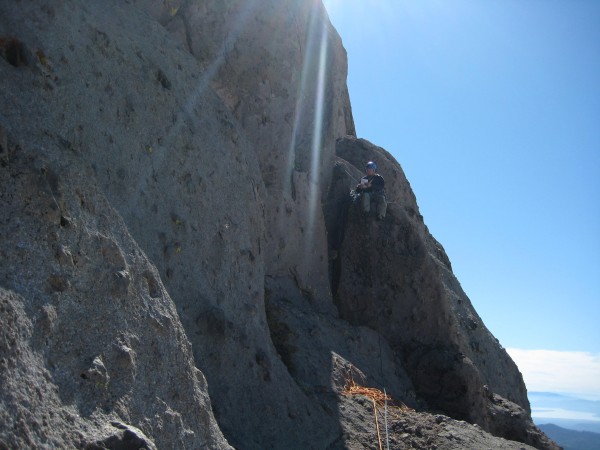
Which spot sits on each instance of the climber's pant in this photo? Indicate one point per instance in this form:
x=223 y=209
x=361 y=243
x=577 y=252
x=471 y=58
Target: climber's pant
x=379 y=199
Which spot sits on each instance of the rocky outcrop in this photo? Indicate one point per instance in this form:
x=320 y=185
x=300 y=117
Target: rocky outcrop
x=175 y=206
x=395 y=278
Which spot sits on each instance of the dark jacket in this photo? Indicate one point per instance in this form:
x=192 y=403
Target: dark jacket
x=377 y=184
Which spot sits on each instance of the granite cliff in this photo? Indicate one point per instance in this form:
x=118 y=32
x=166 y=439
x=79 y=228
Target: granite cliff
x=181 y=263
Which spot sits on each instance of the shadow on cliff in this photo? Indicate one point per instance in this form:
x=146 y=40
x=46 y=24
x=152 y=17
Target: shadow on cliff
x=322 y=353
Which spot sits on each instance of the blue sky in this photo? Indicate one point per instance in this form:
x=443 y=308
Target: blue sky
x=492 y=107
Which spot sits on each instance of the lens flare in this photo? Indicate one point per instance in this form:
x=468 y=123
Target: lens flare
x=317 y=142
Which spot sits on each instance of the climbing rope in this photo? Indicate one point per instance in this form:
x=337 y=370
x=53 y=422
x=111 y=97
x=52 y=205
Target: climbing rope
x=380 y=401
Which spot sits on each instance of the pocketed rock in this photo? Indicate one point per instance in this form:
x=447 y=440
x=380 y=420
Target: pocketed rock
x=76 y=356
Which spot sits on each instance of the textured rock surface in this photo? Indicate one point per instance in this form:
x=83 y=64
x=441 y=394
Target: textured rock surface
x=281 y=69
x=410 y=430
x=169 y=176
x=91 y=347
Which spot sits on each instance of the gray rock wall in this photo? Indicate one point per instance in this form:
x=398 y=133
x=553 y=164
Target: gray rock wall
x=91 y=347
x=128 y=99
x=281 y=69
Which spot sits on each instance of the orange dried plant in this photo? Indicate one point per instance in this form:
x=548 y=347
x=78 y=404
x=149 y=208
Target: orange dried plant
x=380 y=399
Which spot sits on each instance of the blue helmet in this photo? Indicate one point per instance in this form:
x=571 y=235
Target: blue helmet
x=371 y=165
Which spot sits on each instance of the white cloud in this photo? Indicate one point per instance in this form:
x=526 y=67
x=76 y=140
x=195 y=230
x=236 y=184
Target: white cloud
x=575 y=373
x=558 y=413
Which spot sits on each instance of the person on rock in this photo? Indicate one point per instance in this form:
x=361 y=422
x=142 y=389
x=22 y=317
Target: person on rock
x=372 y=189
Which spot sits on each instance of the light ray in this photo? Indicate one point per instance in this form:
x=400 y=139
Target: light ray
x=316 y=42
x=317 y=142
x=193 y=99
x=300 y=101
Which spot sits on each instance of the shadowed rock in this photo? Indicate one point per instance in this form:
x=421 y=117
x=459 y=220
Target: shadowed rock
x=395 y=278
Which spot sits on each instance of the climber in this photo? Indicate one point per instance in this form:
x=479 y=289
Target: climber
x=371 y=188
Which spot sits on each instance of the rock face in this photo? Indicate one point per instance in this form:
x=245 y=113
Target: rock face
x=175 y=206
x=394 y=277
x=90 y=341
